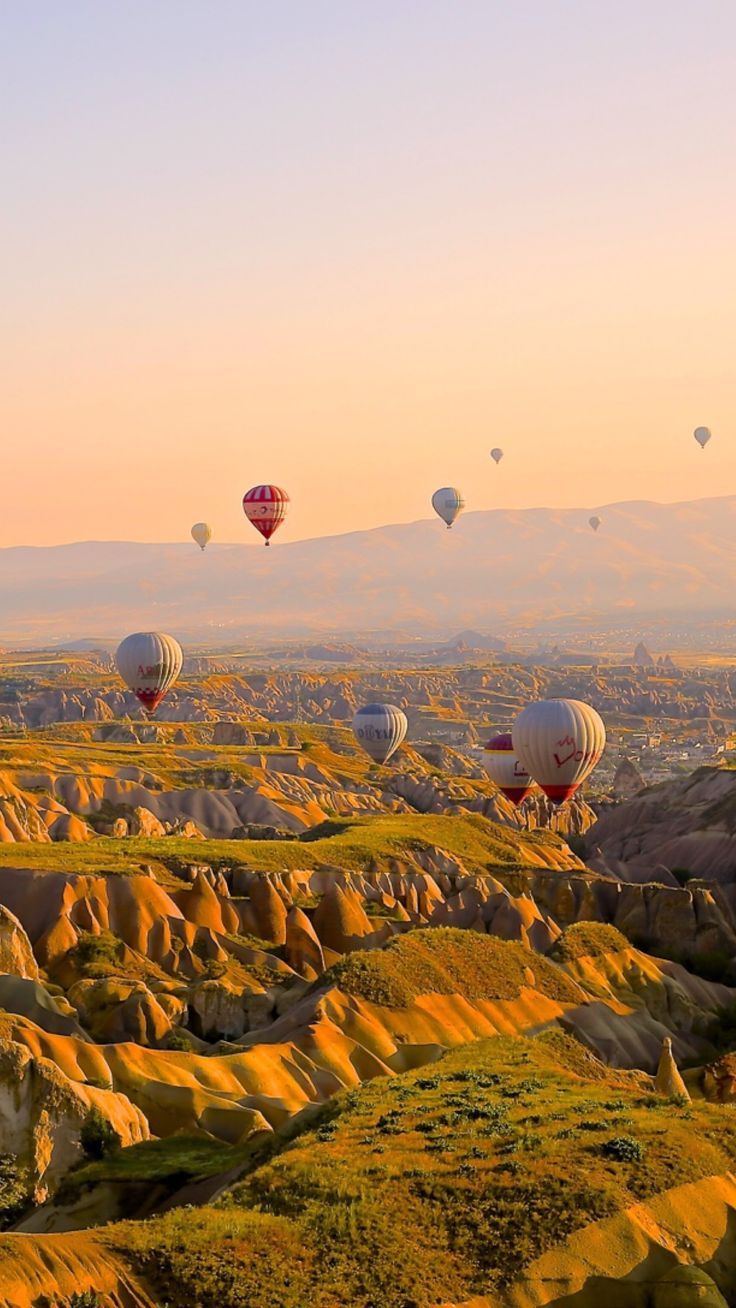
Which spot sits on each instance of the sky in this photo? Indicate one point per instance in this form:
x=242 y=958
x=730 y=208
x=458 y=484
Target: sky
x=347 y=246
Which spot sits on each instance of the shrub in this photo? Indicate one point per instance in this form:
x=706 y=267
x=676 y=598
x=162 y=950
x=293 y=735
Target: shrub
x=179 y=1041
x=14 y=1189
x=98 y=1136
x=97 y=955
x=623 y=1148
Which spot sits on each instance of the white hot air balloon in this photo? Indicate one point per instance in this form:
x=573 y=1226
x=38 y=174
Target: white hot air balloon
x=559 y=742
x=149 y=663
x=448 y=503
x=202 y=533
x=503 y=767
x=380 y=729
x=594 y=522
x=497 y=455
x=702 y=436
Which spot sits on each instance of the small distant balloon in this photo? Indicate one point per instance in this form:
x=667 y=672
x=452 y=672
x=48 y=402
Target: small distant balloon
x=265 y=508
x=380 y=729
x=702 y=436
x=497 y=455
x=595 y=522
x=448 y=503
x=202 y=533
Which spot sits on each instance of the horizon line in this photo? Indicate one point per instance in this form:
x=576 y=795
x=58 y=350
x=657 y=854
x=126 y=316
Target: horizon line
x=365 y=531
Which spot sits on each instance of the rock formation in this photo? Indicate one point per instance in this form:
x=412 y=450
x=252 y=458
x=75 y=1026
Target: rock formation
x=668 y=1081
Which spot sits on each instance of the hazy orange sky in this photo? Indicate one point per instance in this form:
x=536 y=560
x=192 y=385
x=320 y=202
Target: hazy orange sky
x=347 y=247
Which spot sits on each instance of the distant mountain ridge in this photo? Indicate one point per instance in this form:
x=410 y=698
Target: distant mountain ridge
x=496 y=567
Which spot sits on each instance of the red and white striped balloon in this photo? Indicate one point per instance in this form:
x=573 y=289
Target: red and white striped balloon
x=265 y=507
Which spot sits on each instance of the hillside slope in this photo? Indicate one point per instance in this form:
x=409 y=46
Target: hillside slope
x=685 y=826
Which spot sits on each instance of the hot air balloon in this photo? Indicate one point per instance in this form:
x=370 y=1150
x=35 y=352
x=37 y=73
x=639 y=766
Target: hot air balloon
x=202 y=533
x=594 y=522
x=380 y=729
x=702 y=436
x=497 y=455
x=559 y=742
x=504 y=768
x=149 y=663
x=448 y=503
x=265 y=507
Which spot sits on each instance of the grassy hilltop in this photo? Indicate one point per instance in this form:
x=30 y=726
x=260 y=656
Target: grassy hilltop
x=432 y=1187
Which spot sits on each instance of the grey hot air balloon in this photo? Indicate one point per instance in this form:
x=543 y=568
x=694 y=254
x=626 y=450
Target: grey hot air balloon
x=594 y=522
x=702 y=436
x=496 y=455
x=202 y=533
x=149 y=663
x=380 y=729
x=448 y=503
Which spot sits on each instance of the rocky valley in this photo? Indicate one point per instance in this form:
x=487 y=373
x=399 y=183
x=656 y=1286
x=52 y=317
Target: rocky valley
x=262 y=1000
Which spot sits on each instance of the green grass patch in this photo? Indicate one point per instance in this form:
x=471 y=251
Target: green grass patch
x=589 y=940
x=177 y=1159
x=230 y=1259
x=352 y=844
x=447 y=961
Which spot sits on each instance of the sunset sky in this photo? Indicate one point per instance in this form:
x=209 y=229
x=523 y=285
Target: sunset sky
x=348 y=245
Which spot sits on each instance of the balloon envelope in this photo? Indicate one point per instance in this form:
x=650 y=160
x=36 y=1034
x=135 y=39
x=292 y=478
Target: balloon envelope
x=595 y=522
x=497 y=455
x=149 y=663
x=559 y=742
x=202 y=533
x=380 y=729
x=702 y=436
x=265 y=507
x=448 y=503
x=503 y=767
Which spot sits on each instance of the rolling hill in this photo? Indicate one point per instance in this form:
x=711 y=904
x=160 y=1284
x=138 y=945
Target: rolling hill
x=496 y=567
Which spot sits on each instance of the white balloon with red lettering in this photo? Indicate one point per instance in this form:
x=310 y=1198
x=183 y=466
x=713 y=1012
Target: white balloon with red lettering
x=149 y=663
x=505 y=769
x=559 y=742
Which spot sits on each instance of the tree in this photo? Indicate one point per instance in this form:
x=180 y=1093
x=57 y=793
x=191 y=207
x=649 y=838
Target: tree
x=98 y=1136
